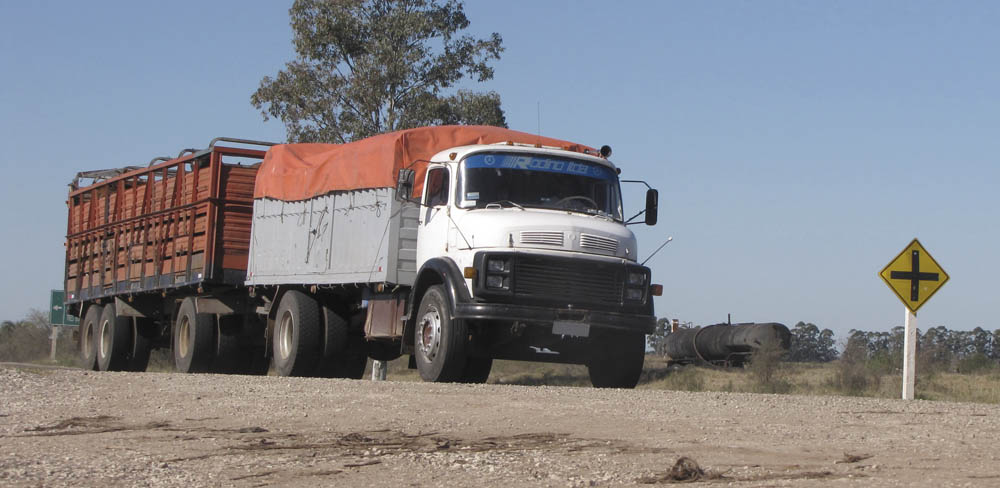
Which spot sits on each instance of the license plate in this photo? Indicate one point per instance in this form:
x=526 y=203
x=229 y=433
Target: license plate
x=571 y=328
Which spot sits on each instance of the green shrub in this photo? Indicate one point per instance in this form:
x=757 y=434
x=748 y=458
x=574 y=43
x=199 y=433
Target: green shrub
x=26 y=341
x=688 y=378
x=976 y=363
x=766 y=371
x=855 y=375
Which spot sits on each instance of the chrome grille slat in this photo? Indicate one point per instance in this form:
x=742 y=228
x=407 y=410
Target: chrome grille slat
x=598 y=243
x=570 y=281
x=545 y=238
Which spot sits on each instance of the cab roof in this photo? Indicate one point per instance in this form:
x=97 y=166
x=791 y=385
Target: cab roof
x=294 y=172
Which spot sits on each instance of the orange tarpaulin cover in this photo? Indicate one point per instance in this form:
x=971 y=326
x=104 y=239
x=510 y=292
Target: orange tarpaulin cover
x=293 y=172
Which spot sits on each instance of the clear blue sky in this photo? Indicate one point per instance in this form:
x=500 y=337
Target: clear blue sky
x=797 y=146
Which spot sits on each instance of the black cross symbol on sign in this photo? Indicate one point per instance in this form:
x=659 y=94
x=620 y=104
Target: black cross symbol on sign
x=915 y=276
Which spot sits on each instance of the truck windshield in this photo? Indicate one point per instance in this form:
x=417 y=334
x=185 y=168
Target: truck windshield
x=539 y=181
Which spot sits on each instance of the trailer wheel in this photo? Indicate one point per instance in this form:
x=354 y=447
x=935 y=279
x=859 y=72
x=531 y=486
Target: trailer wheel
x=616 y=360
x=88 y=337
x=142 y=332
x=228 y=353
x=477 y=370
x=114 y=340
x=257 y=362
x=194 y=339
x=296 y=335
x=239 y=338
x=438 y=339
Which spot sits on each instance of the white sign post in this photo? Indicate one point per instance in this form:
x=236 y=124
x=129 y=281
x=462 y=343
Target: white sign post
x=909 y=355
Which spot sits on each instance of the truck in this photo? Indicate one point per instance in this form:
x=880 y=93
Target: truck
x=455 y=245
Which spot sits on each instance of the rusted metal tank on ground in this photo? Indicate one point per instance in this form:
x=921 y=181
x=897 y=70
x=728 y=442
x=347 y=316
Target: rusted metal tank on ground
x=723 y=344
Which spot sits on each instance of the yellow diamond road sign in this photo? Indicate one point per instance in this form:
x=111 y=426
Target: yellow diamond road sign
x=914 y=276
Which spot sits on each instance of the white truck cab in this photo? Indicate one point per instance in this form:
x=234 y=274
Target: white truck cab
x=543 y=266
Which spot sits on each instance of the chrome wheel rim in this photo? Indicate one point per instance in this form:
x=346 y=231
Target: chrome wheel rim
x=183 y=336
x=285 y=329
x=429 y=334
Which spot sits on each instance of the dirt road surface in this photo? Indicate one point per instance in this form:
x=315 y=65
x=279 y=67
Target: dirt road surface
x=70 y=427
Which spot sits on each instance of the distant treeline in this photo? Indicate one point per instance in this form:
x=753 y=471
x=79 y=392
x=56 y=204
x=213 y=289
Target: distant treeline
x=938 y=347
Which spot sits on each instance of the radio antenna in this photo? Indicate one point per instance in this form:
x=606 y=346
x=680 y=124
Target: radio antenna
x=538 y=113
x=657 y=250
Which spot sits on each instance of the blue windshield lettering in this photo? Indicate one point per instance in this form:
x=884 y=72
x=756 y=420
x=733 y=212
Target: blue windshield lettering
x=535 y=163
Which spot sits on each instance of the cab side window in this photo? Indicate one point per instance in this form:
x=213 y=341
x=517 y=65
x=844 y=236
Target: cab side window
x=437 y=187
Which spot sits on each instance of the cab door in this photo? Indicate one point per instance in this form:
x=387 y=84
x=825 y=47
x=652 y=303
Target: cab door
x=432 y=239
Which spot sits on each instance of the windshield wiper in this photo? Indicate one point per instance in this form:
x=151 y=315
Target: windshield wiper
x=501 y=202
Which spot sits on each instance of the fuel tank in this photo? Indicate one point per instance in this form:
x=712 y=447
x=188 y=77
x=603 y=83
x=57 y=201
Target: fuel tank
x=723 y=343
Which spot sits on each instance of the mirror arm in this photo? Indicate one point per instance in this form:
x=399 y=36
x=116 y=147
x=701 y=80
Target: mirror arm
x=416 y=202
x=630 y=219
x=636 y=181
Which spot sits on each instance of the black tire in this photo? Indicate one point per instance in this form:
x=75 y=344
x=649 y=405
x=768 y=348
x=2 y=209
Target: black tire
x=229 y=352
x=296 y=347
x=114 y=340
x=354 y=359
x=477 y=370
x=193 y=339
x=616 y=360
x=440 y=341
x=253 y=357
x=143 y=330
x=383 y=350
x=88 y=337
x=333 y=344
x=256 y=362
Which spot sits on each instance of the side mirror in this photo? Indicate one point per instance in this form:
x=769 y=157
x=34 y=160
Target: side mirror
x=404 y=184
x=652 y=206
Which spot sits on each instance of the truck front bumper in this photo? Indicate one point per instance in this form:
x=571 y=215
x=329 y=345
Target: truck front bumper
x=645 y=324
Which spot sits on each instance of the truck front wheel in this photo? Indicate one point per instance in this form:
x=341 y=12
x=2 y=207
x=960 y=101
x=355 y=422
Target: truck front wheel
x=296 y=335
x=616 y=360
x=439 y=340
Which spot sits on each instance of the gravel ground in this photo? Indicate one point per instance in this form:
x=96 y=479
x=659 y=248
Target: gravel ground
x=61 y=427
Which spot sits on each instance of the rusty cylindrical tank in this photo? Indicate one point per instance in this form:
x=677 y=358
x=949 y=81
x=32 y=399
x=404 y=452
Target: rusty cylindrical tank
x=723 y=343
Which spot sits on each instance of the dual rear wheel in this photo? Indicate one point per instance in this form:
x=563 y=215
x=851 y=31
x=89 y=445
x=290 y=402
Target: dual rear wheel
x=206 y=343
x=111 y=342
x=314 y=340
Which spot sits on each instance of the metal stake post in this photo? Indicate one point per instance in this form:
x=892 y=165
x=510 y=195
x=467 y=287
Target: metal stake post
x=379 y=369
x=909 y=355
x=55 y=337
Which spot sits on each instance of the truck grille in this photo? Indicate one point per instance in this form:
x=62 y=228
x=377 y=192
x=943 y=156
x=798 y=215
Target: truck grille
x=546 y=238
x=598 y=243
x=571 y=281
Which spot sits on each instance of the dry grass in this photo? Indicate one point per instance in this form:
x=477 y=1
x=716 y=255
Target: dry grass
x=836 y=378
x=794 y=379
x=820 y=379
